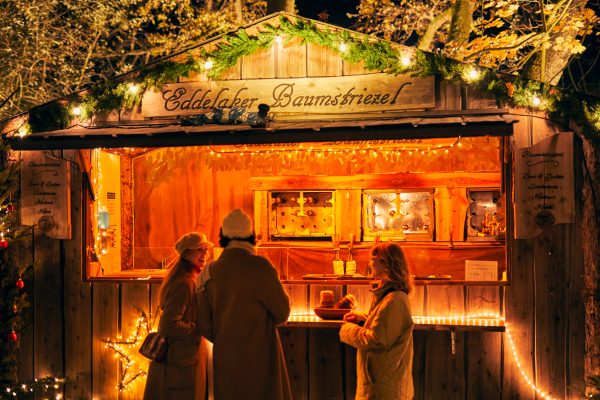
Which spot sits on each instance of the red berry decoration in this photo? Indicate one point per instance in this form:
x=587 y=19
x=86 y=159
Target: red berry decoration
x=20 y=284
x=3 y=243
x=12 y=336
x=15 y=309
x=10 y=207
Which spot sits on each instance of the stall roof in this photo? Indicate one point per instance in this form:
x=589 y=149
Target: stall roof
x=424 y=125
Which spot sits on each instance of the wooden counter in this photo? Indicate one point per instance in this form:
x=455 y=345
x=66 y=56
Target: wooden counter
x=420 y=323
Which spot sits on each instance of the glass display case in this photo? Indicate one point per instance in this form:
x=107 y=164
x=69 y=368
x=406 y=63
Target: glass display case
x=485 y=216
x=398 y=215
x=301 y=215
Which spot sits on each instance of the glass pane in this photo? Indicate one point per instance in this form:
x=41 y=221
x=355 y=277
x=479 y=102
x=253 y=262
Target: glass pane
x=399 y=215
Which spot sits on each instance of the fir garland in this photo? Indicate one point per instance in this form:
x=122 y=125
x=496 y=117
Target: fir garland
x=376 y=55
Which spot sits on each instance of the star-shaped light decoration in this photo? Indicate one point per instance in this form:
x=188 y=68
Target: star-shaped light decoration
x=133 y=364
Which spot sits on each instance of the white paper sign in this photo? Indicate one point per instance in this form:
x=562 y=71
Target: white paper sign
x=476 y=270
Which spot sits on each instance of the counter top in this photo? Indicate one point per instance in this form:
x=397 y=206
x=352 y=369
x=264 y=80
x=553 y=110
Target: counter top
x=420 y=323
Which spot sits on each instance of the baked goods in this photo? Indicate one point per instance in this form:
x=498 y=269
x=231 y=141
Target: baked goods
x=326 y=299
x=346 y=302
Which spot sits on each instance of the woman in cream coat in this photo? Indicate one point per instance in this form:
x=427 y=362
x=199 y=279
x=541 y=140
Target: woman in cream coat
x=183 y=375
x=384 y=343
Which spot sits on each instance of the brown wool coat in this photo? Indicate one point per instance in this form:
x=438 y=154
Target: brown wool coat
x=240 y=307
x=385 y=349
x=183 y=375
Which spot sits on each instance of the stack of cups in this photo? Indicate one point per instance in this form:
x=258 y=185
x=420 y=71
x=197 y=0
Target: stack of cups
x=350 y=267
x=338 y=267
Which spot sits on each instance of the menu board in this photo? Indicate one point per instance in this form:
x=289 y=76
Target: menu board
x=45 y=194
x=544 y=185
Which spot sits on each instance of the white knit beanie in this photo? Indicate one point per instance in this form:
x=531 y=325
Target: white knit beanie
x=237 y=224
x=191 y=241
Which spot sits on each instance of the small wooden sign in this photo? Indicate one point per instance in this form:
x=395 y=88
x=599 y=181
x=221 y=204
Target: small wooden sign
x=45 y=194
x=345 y=94
x=477 y=270
x=544 y=185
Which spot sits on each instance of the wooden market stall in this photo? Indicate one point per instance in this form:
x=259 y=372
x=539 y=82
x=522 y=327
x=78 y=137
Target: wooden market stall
x=345 y=157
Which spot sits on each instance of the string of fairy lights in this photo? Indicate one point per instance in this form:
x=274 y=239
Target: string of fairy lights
x=324 y=151
x=134 y=366
x=38 y=386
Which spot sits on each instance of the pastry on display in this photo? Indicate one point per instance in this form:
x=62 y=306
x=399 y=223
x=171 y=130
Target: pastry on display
x=347 y=302
x=326 y=299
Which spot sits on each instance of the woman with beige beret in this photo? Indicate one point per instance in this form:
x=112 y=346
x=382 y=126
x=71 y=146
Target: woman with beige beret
x=183 y=375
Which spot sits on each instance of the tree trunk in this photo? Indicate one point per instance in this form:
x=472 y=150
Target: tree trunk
x=590 y=229
x=426 y=41
x=238 y=11
x=462 y=22
x=274 y=6
x=548 y=65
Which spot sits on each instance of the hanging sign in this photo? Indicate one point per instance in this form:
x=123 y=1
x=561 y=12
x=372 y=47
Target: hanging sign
x=344 y=94
x=544 y=185
x=45 y=194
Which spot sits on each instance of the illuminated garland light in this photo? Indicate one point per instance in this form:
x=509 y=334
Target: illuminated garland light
x=485 y=320
x=24 y=130
x=37 y=386
x=133 y=88
x=133 y=364
x=376 y=55
x=325 y=152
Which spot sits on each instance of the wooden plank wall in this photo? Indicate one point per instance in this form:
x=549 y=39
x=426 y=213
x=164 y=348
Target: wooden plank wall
x=542 y=306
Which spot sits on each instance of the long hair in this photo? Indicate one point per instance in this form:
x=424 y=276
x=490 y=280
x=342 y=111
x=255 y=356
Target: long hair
x=395 y=265
x=179 y=266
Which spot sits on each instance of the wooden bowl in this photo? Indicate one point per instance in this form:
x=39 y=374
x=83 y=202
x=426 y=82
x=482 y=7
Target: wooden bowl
x=331 y=313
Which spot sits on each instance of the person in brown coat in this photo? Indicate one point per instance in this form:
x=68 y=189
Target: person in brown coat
x=241 y=301
x=183 y=375
x=385 y=342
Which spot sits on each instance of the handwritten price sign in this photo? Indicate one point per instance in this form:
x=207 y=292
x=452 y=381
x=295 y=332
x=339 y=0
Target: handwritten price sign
x=45 y=188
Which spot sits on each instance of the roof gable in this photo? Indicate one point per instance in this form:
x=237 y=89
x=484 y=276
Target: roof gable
x=277 y=46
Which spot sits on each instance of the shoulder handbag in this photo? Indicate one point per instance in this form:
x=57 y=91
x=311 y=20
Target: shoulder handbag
x=155 y=347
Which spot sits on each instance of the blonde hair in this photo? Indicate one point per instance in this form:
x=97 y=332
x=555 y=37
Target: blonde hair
x=395 y=265
x=177 y=267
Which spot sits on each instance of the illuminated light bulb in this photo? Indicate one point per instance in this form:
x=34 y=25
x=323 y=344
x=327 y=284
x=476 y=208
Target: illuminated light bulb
x=133 y=88
x=459 y=144
x=343 y=47
x=536 y=101
x=405 y=60
x=76 y=111
x=473 y=74
x=278 y=39
x=208 y=64
x=22 y=132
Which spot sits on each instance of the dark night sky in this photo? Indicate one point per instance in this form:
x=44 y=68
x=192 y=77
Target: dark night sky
x=336 y=9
